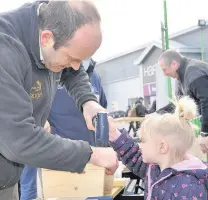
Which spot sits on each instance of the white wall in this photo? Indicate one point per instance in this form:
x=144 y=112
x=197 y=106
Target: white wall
x=162 y=89
x=122 y=90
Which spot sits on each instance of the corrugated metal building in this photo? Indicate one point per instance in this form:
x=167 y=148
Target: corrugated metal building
x=132 y=74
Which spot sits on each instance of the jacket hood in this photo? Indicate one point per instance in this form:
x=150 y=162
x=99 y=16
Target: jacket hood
x=194 y=167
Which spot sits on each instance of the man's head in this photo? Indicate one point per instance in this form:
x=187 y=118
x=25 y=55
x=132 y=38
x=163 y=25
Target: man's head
x=141 y=100
x=69 y=33
x=169 y=62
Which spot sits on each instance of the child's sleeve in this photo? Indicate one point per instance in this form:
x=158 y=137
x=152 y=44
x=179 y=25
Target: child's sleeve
x=129 y=153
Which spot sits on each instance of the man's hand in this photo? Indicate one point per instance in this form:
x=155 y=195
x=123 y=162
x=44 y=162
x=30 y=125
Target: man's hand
x=47 y=127
x=113 y=130
x=90 y=110
x=105 y=157
x=203 y=141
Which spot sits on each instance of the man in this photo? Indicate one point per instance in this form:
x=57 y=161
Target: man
x=38 y=41
x=140 y=111
x=67 y=121
x=192 y=76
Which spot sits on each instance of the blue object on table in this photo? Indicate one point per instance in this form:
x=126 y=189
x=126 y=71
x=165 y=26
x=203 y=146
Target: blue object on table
x=100 y=122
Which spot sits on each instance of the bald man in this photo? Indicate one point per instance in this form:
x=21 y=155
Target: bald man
x=38 y=41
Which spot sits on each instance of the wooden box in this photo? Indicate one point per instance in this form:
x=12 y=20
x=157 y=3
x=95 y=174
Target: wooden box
x=92 y=182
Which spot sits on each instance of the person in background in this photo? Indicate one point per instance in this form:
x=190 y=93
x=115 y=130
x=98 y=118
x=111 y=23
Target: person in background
x=153 y=107
x=192 y=77
x=141 y=111
x=64 y=109
x=130 y=113
x=66 y=120
x=127 y=111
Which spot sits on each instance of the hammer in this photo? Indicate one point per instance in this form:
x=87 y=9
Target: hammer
x=100 y=121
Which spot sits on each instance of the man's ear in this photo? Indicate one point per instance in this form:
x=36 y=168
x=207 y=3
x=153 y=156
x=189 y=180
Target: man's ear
x=47 y=39
x=175 y=63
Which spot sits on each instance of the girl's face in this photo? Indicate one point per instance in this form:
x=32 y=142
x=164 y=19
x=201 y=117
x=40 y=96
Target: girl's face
x=150 y=148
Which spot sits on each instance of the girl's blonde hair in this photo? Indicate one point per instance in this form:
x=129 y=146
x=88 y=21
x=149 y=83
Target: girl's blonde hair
x=175 y=128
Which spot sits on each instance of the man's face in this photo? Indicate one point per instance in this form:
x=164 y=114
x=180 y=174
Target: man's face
x=81 y=46
x=169 y=70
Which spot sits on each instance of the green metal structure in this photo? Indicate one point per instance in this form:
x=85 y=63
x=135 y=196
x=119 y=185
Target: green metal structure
x=167 y=45
x=202 y=44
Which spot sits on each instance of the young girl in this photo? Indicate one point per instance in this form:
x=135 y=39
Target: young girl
x=160 y=157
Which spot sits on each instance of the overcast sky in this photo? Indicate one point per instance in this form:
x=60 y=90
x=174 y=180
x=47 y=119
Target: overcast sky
x=130 y=23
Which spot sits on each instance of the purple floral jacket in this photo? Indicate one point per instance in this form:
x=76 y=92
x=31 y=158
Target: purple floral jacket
x=186 y=180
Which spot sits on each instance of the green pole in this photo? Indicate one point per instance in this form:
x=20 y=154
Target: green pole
x=163 y=37
x=202 y=44
x=167 y=44
x=166 y=25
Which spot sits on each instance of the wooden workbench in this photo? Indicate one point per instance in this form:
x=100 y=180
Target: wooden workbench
x=118 y=186
x=129 y=119
x=123 y=122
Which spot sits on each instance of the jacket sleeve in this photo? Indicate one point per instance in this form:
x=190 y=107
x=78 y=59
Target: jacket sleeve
x=78 y=85
x=128 y=151
x=103 y=100
x=166 y=109
x=21 y=141
x=199 y=90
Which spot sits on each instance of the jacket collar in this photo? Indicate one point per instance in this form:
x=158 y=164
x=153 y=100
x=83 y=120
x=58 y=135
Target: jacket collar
x=29 y=31
x=91 y=67
x=181 y=70
x=35 y=45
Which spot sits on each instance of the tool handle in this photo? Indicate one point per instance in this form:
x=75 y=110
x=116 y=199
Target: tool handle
x=102 y=130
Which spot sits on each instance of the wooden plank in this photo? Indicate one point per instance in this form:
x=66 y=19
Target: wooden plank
x=118 y=186
x=108 y=184
x=120 y=182
x=57 y=184
x=115 y=191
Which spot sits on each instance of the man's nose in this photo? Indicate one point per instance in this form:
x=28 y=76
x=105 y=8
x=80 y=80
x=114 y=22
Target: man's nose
x=75 y=65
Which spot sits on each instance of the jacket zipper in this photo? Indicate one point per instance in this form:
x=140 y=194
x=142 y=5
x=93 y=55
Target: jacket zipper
x=151 y=188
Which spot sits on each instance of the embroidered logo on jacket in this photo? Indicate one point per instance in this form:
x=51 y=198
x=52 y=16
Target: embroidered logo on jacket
x=36 y=90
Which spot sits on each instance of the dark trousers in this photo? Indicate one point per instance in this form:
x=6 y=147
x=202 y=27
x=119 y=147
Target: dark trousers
x=135 y=129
